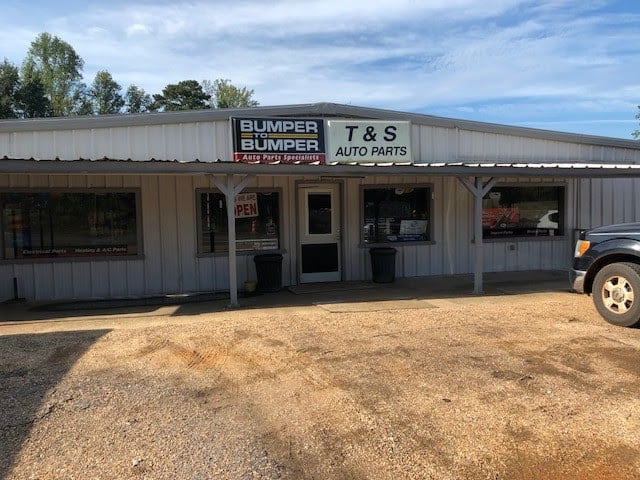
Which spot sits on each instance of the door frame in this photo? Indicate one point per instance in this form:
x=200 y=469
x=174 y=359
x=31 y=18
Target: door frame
x=300 y=187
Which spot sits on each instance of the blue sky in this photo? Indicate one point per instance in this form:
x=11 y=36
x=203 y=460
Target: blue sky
x=567 y=65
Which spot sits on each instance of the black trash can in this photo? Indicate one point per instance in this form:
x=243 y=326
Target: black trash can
x=383 y=264
x=269 y=272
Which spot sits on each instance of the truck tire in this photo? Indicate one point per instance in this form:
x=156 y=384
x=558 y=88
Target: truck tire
x=616 y=294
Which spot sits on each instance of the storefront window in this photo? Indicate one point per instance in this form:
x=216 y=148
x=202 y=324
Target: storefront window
x=523 y=212
x=257 y=222
x=68 y=224
x=396 y=214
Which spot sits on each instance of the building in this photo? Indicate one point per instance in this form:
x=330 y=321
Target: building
x=138 y=205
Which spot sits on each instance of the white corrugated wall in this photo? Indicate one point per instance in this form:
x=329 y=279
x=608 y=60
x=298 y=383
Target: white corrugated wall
x=171 y=265
x=204 y=141
x=210 y=141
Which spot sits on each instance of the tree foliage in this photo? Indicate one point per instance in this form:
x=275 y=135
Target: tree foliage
x=184 y=95
x=49 y=83
x=137 y=100
x=636 y=133
x=31 y=98
x=105 y=94
x=82 y=100
x=226 y=95
x=59 y=68
x=9 y=84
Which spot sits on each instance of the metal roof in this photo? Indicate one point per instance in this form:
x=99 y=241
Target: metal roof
x=320 y=110
x=107 y=166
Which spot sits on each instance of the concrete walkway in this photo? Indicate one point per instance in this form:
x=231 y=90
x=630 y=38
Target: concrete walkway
x=418 y=292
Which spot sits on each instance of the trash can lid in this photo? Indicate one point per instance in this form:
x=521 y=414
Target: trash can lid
x=267 y=257
x=383 y=250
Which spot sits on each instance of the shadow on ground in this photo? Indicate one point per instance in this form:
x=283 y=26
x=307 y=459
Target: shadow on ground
x=416 y=288
x=30 y=367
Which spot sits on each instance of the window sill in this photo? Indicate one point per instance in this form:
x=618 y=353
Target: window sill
x=543 y=238
x=244 y=253
x=395 y=244
x=69 y=259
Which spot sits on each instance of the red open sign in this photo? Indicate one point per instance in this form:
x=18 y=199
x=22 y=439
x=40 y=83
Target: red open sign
x=247 y=205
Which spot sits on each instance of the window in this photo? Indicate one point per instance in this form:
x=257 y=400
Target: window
x=257 y=222
x=396 y=214
x=523 y=212
x=68 y=224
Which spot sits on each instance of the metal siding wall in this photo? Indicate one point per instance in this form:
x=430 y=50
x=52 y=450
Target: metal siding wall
x=628 y=199
x=120 y=143
x=169 y=220
x=350 y=228
x=64 y=144
x=169 y=209
x=25 y=275
x=152 y=250
x=491 y=146
x=168 y=234
x=6 y=142
x=606 y=201
x=62 y=280
x=206 y=141
x=99 y=278
x=186 y=234
x=6 y=282
x=457 y=226
x=172 y=138
x=290 y=232
x=434 y=144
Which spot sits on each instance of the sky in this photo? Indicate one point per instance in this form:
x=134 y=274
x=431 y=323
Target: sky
x=565 y=65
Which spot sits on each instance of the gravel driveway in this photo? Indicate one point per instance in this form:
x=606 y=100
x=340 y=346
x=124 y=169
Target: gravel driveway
x=510 y=387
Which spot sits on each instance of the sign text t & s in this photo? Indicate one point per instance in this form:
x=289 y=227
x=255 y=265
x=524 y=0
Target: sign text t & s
x=369 y=141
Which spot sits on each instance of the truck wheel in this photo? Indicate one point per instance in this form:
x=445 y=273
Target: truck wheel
x=616 y=294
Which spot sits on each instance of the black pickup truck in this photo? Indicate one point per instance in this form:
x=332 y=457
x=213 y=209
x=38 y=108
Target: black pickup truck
x=606 y=265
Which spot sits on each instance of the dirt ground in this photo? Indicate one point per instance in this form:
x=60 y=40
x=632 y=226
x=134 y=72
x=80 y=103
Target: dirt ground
x=518 y=387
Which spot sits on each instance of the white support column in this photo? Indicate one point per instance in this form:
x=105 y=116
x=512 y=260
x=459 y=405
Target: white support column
x=230 y=190
x=478 y=190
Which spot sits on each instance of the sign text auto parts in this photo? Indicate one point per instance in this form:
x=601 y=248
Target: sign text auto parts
x=369 y=141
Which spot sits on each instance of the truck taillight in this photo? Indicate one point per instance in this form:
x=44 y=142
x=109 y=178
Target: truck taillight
x=581 y=247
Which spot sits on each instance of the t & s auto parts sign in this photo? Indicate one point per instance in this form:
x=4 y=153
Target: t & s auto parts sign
x=285 y=140
x=364 y=141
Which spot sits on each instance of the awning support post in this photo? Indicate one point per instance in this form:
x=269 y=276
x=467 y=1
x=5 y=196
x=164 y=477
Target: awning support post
x=230 y=190
x=478 y=190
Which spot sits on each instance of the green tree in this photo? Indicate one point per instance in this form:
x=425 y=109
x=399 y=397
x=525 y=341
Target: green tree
x=31 y=98
x=636 y=133
x=226 y=95
x=82 y=100
x=9 y=84
x=59 y=67
x=184 y=95
x=105 y=93
x=137 y=100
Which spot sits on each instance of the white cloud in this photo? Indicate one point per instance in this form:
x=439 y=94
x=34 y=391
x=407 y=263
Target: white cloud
x=138 y=29
x=398 y=54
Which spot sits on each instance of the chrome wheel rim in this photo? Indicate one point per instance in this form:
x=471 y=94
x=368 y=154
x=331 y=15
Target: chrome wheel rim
x=617 y=295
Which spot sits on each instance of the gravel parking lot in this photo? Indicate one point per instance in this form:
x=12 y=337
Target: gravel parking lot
x=531 y=386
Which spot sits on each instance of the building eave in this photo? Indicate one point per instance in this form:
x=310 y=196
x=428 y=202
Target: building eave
x=319 y=110
x=173 y=167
